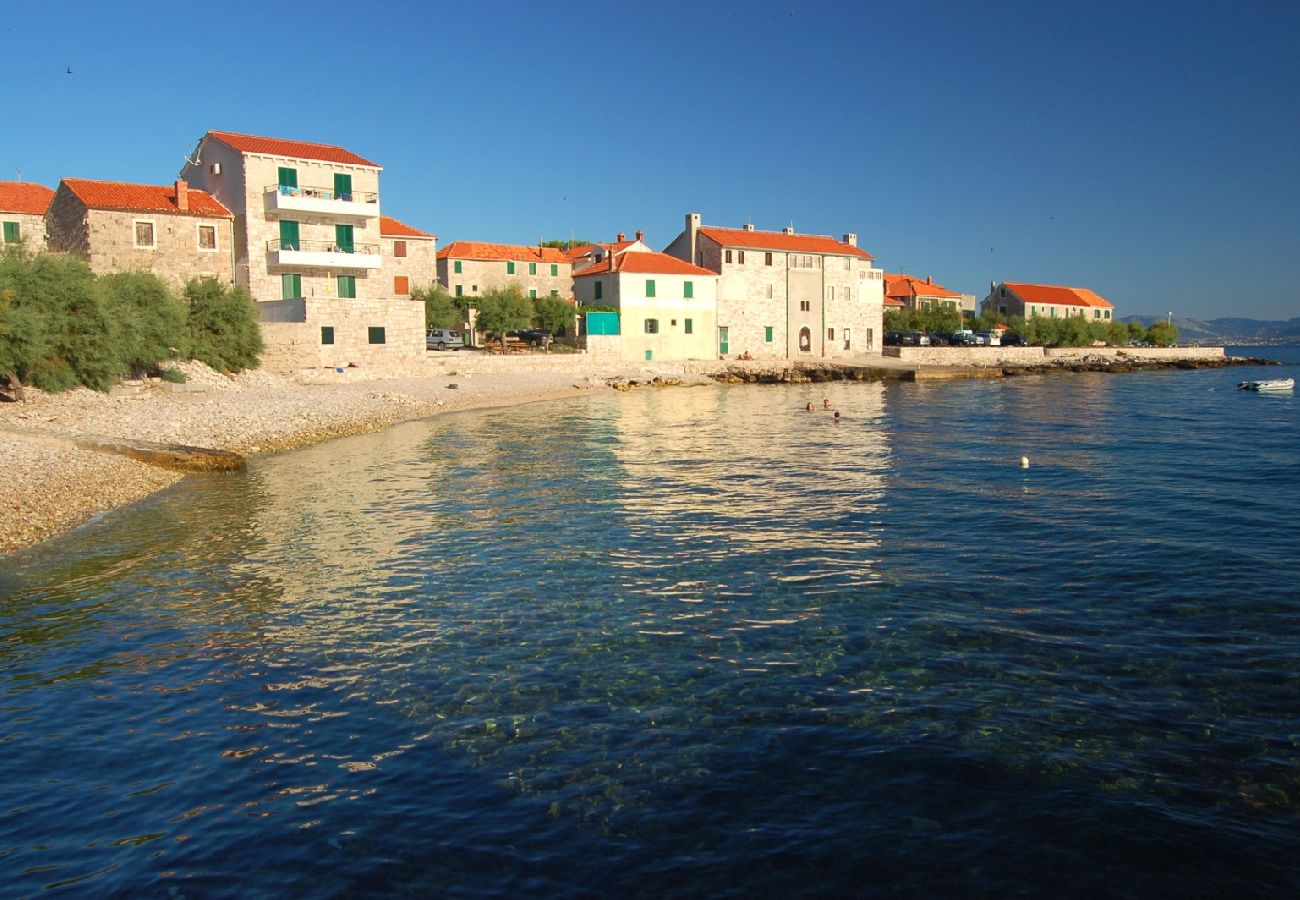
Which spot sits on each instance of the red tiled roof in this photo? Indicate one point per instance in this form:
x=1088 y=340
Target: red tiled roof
x=893 y=301
x=390 y=227
x=24 y=197
x=646 y=263
x=576 y=253
x=1050 y=293
x=776 y=240
x=911 y=286
x=248 y=143
x=480 y=250
x=143 y=198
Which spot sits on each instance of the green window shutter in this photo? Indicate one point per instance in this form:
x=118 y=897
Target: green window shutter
x=289 y=235
x=457 y=267
x=460 y=290
x=724 y=345
x=688 y=290
x=690 y=327
x=375 y=334
x=342 y=186
x=555 y=293
x=649 y=287
x=532 y=268
x=343 y=238
x=327 y=334
x=13 y=234
x=348 y=286
x=290 y=287
x=510 y=268
x=555 y=269
x=600 y=289
x=288 y=177
x=533 y=293
x=767 y=333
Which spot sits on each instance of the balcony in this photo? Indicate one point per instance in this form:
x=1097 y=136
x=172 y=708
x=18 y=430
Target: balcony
x=322 y=201
x=322 y=255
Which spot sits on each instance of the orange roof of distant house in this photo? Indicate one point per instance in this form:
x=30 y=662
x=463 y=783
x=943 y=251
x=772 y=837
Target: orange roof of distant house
x=576 y=253
x=646 y=262
x=480 y=250
x=153 y=198
x=24 y=197
x=777 y=240
x=893 y=301
x=1050 y=293
x=911 y=286
x=390 y=227
x=249 y=143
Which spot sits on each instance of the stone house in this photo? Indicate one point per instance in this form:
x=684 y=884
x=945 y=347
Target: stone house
x=787 y=295
x=472 y=268
x=177 y=232
x=667 y=307
x=309 y=247
x=1011 y=299
x=22 y=214
x=410 y=257
x=912 y=293
x=589 y=255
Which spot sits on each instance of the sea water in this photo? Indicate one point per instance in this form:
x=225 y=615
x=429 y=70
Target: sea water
x=691 y=641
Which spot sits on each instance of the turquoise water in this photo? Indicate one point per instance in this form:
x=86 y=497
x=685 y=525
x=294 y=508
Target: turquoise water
x=683 y=642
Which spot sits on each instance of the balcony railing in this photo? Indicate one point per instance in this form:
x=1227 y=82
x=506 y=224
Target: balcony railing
x=323 y=254
x=320 y=193
x=322 y=201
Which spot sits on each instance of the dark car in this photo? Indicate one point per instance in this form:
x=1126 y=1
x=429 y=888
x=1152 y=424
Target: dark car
x=916 y=339
x=893 y=339
x=963 y=339
x=533 y=337
x=939 y=340
x=1011 y=339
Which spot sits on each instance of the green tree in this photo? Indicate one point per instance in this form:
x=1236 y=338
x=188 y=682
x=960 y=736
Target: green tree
x=567 y=245
x=1162 y=334
x=441 y=309
x=553 y=314
x=150 y=320
x=502 y=310
x=224 y=332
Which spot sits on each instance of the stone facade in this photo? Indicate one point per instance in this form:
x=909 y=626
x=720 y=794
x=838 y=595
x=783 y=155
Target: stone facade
x=334 y=333
x=23 y=206
x=176 y=246
x=410 y=258
x=1019 y=300
x=471 y=268
x=30 y=230
x=779 y=300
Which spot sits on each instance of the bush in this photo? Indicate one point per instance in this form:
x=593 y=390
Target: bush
x=504 y=310
x=441 y=309
x=149 y=318
x=553 y=314
x=223 y=329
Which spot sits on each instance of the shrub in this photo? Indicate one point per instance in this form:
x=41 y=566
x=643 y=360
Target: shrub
x=553 y=314
x=441 y=309
x=150 y=320
x=506 y=309
x=223 y=327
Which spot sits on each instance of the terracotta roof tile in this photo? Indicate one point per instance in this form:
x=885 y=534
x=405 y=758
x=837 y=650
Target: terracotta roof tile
x=1050 y=293
x=249 y=143
x=647 y=263
x=143 y=198
x=776 y=240
x=893 y=301
x=911 y=286
x=390 y=227
x=485 y=251
x=24 y=197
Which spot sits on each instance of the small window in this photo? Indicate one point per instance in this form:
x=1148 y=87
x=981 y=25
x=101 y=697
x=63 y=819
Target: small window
x=460 y=289
x=767 y=292
x=401 y=285
x=649 y=287
x=767 y=333
x=830 y=292
x=767 y=259
x=144 y=236
x=207 y=237
x=456 y=267
x=327 y=334
x=651 y=326
x=375 y=334
x=347 y=285
x=830 y=334
x=740 y=257
x=555 y=293
x=510 y=267
x=848 y=293
x=1107 y=312
x=473 y=288
x=555 y=268
x=688 y=289
x=600 y=289
x=399 y=248
x=13 y=232
x=1002 y=293
x=533 y=293
x=690 y=326
x=727 y=256
x=532 y=268
x=805 y=305
x=290 y=286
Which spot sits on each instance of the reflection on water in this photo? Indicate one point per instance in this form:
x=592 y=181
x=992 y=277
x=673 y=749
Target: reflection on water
x=693 y=639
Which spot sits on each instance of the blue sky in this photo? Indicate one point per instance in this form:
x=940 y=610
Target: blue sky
x=1149 y=151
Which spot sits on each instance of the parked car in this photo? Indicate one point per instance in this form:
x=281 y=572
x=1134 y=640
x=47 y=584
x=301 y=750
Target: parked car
x=1011 y=339
x=938 y=340
x=533 y=337
x=963 y=339
x=443 y=339
x=991 y=338
x=893 y=338
x=917 y=339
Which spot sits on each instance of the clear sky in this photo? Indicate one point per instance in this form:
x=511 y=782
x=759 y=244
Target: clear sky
x=1149 y=151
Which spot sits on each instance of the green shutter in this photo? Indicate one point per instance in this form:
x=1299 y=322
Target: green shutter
x=724 y=345
x=457 y=267
x=288 y=177
x=343 y=238
x=510 y=268
x=649 y=287
x=460 y=290
x=555 y=293
x=327 y=334
x=342 y=186
x=347 y=286
x=600 y=289
x=375 y=334
x=290 y=287
x=13 y=234
x=555 y=269
x=289 y=235
x=767 y=333
x=690 y=327
x=532 y=268
x=688 y=290
x=533 y=293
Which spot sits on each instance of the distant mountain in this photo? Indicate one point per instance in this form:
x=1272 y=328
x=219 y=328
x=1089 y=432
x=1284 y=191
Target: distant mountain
x=1230 y=330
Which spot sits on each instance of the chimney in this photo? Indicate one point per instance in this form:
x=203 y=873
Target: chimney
x=182 y=195
x=851 y=239
x=693 y=238
x=789 y=229
x=927 y=280
x=621 y=237
x=640 y=235
x=749 y=226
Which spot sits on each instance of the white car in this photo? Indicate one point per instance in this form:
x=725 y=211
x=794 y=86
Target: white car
x=443 y=339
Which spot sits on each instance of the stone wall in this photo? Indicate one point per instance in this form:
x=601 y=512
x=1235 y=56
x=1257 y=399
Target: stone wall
x=478 y=276
x=1155 y=353
x=419 y=266
x=1037 y=356
x=296 y=345
x=31 y=229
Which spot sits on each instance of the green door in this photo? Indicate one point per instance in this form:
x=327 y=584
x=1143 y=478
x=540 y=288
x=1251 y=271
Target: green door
x=723 y=344
x=289 y=235
x=288 y=178
x=342 y=186
x=343 y=238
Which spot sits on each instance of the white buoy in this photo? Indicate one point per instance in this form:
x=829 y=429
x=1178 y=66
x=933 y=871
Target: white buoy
x=1024 y=462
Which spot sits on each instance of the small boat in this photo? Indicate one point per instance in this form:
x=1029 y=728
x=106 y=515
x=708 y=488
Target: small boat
x=1273 y=384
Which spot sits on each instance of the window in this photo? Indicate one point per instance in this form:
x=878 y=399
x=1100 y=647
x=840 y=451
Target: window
x=848 y=293
x=724 y=341
x=289 y=235
x=343 y=238
x=532 y=268
x=473 y=288
x=13 y=233
x=727 y=256
x=767 y=292
x=342 y=186
x=287 y=178
x=805 y=340
x=1107 y=313
x=740 y=257
x=688 y=289
x=555 y=293
x=207 y=237
x=767 y=333
x=290 y=287
x=375 y=334
x=533 y=293
x=651 y=326
x=600 y=289
x=401 y=285
x=830 y=292
x=555 y=268
x=690 y=326
x=399 y=248
x=805 y=305
x=847 y=341
x=767 y=259
x=327 y=334
x=1053 y=313
x=347 y=285
x=510 y=267
x=460 y=290
x=144 y=236
x=1002 y=293
x=649 y=287
x=456 y=267
x=830 y=334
